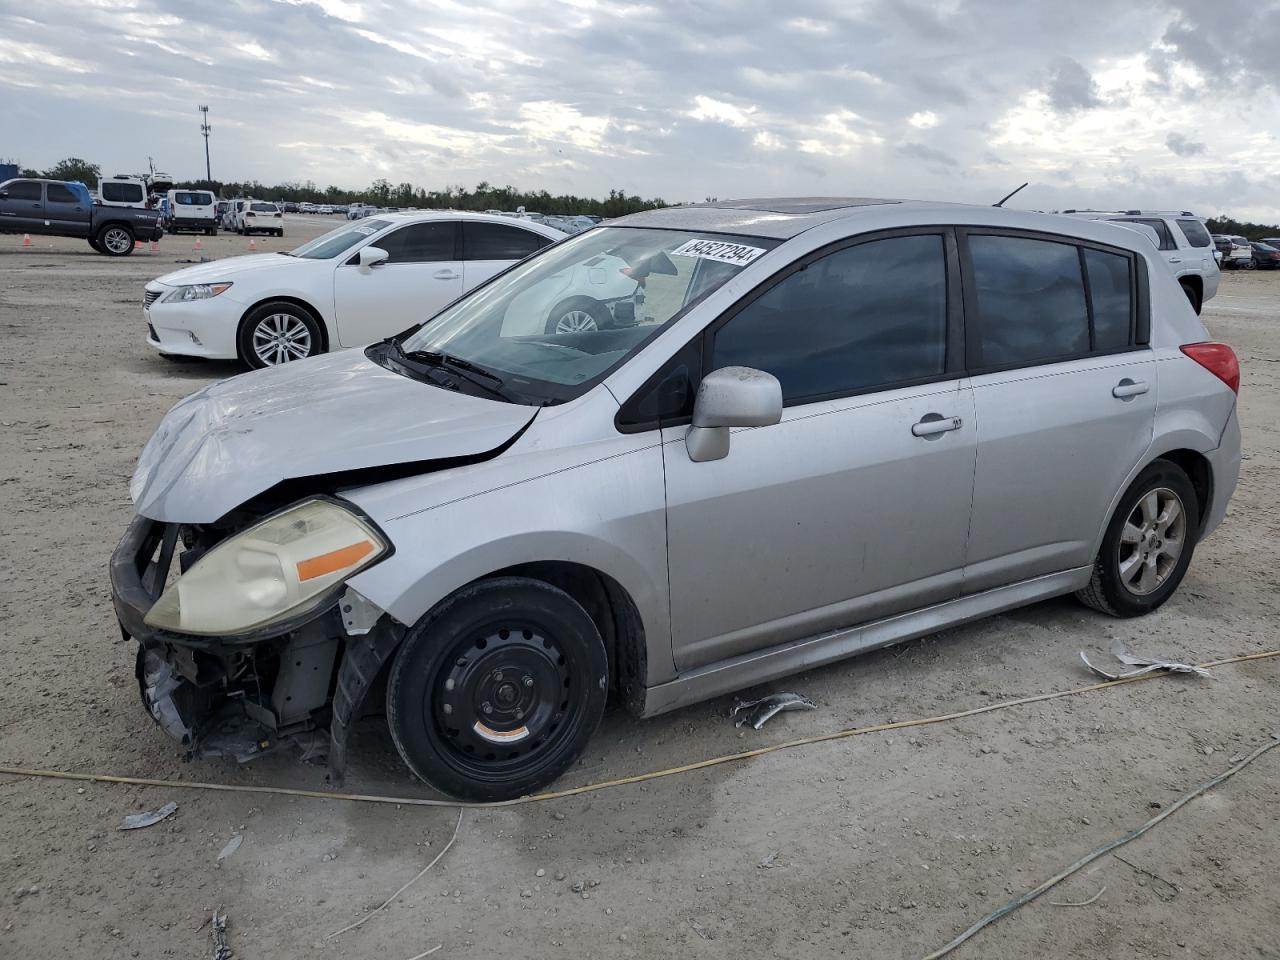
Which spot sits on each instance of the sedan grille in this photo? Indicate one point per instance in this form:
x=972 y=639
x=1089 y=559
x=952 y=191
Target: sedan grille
x=150 y=296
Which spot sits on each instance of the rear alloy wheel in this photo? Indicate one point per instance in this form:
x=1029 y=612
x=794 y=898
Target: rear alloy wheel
x=495 y=692
x=277 y=333
x=1148 y=544
x=115 y=240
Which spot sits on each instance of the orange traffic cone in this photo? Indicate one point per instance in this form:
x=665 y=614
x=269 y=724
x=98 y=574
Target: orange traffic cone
x=137 y=244
x=26 y=239
x=197 y=246
x=253 y=244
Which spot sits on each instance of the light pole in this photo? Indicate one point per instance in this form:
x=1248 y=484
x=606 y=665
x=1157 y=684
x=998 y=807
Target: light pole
x=204 y=129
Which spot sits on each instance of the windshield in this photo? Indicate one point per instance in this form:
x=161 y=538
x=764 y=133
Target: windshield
x=339 y=240
x=554 y=325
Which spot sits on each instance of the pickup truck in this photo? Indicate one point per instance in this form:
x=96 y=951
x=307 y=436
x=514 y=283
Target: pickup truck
x=59 y=208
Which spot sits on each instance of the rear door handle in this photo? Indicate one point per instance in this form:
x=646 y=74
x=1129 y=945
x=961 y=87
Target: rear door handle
x=933 y=424
x=446 y=275
x=1175 y=259
x=1127 y=388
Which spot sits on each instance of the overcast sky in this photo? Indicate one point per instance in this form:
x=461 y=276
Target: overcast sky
x=1102 y=104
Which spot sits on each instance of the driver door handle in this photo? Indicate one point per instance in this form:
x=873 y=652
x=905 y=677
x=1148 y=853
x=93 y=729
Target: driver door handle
x=933 y=424
x=446 y=274
x=1127 y=388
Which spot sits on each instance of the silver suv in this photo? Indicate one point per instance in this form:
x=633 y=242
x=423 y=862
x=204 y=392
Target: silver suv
x=811 y=428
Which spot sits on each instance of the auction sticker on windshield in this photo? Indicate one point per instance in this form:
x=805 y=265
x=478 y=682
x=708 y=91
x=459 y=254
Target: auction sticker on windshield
x=739 y=254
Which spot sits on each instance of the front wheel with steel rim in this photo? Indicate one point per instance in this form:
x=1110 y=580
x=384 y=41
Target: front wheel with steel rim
x=277 y=333
x=1148 y=544
x=115 y=240
x=495 y=693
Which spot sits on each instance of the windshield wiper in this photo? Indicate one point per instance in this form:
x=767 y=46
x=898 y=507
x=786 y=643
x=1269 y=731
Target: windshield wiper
x=480 y=377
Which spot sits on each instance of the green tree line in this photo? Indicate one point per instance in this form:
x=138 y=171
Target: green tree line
x=1242 y=228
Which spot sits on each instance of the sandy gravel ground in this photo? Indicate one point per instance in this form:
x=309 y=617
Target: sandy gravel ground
x=880 y=846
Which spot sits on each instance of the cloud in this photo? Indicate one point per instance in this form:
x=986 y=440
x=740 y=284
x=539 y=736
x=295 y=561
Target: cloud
x=951 y=99
x=1183 y=146
x=1072 y=87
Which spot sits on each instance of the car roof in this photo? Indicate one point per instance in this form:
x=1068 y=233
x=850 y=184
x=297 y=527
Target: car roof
x=423 y=215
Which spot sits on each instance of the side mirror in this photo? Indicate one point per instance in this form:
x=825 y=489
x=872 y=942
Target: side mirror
x=731 y=397
x=372 y=257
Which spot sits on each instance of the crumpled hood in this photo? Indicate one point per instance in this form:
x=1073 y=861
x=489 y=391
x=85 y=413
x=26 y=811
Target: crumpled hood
x=337 y=412
x=233 y=268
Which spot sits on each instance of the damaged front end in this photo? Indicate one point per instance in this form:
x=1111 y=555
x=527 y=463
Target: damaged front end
x=248 y=637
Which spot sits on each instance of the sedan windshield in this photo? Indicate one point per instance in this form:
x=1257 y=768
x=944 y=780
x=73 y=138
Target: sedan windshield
x=556 y=324
x=339 y=241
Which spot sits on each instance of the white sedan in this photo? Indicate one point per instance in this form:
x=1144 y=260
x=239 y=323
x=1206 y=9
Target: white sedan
x=360 y=283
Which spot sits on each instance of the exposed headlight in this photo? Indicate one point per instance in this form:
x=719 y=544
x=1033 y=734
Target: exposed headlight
x=275 y=570
x=196 y=291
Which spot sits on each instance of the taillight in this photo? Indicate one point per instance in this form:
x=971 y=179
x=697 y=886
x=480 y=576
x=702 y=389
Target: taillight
x=1218 y=359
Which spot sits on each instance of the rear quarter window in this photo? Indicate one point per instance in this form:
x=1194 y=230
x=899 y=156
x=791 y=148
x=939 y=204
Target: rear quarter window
x=1195 y=233
x=122 y=192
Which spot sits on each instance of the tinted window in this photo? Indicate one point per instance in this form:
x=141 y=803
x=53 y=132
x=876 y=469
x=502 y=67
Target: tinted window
x=1162 y=231
x=870 y=315
x=1030 y=297
x=263 y=208
x=122 y=192
x=668 y=395
x=420 y=242
x=193 y=199
x=57 y=193
x=1195 y=233
x=24 y=190
x=1110 y=292
x=497 y=241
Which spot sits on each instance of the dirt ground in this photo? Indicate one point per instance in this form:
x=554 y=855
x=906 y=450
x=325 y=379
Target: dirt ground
x=878 y=846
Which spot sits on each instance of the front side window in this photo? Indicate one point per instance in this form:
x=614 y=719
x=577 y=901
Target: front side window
x=497 y=241
x=1031 y=302
x=339 y=240
x=1195 y=233
x=870 y=315
x=429 y=242
x=60 y=194
x=551 y=327
x=122 y=192
x=24 y=190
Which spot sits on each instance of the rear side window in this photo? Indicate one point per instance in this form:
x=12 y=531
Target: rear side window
x=1031 y=301
x=24 y=190
x=497 y=241
x=1195 y=233
x=428 y=242
x=1162 y=231
x=122 y=192
x=60 y=194
x=1111 y=295
x=869 y=315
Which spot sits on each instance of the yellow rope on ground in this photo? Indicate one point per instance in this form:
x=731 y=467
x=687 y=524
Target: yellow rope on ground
x=621 y=781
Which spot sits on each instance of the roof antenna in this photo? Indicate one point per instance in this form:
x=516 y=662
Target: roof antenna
x=1007 y=196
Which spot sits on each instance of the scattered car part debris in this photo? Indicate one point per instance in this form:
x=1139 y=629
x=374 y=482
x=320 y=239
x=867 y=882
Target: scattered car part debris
x=428 y=953
x=221 y=949
x=376 y=910
x=1146 y=665
x=769 y=862
x=136 y=821
x=232 y=846
x=1014 y=904
x=1081 y=903
x=766 y=707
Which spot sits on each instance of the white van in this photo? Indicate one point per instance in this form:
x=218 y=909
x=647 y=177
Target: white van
x=122 y=192
x=192 y=210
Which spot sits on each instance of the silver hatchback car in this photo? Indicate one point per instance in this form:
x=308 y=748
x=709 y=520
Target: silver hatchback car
x=798 y=430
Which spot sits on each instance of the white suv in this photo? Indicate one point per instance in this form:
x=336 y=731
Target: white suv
x=1185 y=244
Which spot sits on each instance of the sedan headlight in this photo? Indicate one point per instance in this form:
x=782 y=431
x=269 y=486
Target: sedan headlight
x=196 y=291
x=275 y=570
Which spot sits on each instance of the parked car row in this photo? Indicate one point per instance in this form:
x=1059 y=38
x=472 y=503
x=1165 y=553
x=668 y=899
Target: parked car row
x=1241 y=253
x=247 y=216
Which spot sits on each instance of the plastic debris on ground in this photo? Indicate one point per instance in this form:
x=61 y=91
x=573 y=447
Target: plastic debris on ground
x=232 y=846
x=136 y=821
x=756 y=713
x=221 y=949
x=1144 y=664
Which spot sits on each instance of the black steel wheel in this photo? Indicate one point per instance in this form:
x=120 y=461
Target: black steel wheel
x=495 y=693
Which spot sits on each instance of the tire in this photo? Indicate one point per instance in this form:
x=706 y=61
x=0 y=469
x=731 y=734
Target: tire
x=525 y=650
x=292 y=329
x=1143 y=528
x=1194 y=296
x=115 y=240
x=280 y=233
x=93 y=242
x=577 y=315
